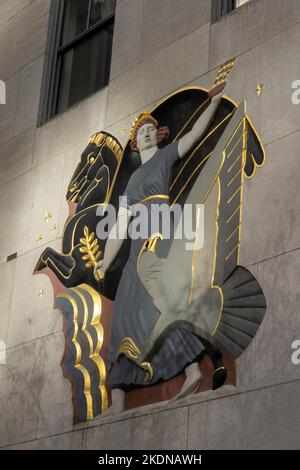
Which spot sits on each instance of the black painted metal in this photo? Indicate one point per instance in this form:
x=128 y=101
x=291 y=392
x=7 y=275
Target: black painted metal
x=11 y=257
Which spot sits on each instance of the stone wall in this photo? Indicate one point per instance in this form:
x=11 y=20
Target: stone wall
x=159 y=46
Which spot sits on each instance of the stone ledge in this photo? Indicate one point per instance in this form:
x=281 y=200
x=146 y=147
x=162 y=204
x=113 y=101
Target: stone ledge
x=274 y=425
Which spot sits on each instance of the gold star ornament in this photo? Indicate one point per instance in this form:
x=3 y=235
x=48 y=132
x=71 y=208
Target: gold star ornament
x=259 y=89
x=41 y=293
x=47 y=217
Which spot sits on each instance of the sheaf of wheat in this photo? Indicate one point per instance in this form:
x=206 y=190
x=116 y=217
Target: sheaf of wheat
x=90 y=249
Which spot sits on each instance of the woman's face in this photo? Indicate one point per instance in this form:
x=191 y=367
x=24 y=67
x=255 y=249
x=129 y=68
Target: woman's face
x=146 y=136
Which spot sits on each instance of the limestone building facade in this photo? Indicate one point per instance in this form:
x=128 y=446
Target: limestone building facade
x=158 y=47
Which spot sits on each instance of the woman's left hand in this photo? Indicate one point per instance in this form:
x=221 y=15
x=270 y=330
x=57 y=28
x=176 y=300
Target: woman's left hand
x=217 y=91
x=99 y=271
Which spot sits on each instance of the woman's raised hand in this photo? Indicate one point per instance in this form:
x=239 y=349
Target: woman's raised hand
x=217 y=91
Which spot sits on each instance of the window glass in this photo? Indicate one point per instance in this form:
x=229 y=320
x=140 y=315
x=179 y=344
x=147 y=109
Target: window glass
x=82 y=46
x=221 y=8
x=85 y=68
x=226 y=6
x=101 y=9
x=75 y=19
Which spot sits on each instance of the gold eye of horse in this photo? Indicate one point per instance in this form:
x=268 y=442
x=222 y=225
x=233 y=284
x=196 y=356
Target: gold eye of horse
x=91 y=158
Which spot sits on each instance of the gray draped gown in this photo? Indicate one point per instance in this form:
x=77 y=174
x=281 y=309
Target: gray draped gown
x=134 y=314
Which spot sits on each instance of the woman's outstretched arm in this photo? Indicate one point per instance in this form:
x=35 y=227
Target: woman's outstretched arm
x=115 y=239
x=187 y=142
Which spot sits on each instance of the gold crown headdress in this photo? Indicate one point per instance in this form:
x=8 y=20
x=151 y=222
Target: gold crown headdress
x=143 y=116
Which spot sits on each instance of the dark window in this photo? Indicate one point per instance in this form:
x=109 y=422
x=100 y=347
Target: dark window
x=221 y=8
x=79 y=52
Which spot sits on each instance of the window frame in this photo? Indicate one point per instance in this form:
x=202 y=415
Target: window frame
x=54 y=53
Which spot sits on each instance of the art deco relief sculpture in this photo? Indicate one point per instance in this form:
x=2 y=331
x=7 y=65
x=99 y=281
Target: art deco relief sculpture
x=143 y=314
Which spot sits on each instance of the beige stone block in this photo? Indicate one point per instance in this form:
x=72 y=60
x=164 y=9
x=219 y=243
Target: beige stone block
x=280 y=116
x=224 y=428
x=281 y=326
x=7 y=276
x=166 y=22
x=78 y=123
x=159 y=75
x=259 y=419
x=15 y=207
x=265 y=19
x=16 y=156
x=32 y=316
x=161 y=430
x=143 y=28
x=226 y=38
x=268 y=360
x=29 y=96
x=271 y=201
x=250 y=25
x=8 y=110
x=69 y=441
x=56 y=409
x=10 y=8
x=127 y=40
x=23 y=38
x=46 y=197
x=21 y=382
x=271 y=420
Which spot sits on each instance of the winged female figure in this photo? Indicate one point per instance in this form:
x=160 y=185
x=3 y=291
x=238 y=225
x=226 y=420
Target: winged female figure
x=171 y=306
x=135 y=314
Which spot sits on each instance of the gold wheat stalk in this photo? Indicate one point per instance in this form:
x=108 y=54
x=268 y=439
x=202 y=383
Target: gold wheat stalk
x=91 y=252
x=224 y=71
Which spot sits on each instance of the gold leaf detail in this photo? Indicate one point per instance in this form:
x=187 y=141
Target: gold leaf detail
x=91 y=237
x=94 y=244
x=90 y=249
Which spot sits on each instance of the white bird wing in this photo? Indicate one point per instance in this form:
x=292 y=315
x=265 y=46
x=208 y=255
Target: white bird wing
x=186 y=292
